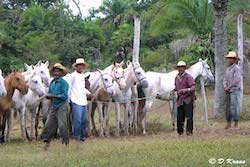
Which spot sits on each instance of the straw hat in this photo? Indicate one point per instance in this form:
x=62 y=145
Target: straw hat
x=232 y=54
x=79 y=61
x=181 y=64
x=58 y=66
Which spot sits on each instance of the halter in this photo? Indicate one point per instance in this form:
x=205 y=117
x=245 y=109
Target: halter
x=134 y=68
x=106 y=86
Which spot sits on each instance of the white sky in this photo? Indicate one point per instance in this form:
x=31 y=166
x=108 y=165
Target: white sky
x=85 y=5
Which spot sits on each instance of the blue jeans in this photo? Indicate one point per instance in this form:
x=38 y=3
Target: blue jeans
x=233 y=109
x=80 y=121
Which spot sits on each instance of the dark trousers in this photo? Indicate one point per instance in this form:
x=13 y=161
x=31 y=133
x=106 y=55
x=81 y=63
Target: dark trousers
x=185 y=111
x=57 y=119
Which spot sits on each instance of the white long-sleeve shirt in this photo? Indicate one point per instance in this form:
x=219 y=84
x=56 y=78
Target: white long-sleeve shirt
x=77 y=90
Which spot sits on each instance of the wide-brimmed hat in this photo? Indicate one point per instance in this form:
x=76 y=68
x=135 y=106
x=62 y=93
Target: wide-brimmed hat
x=181 y=64
x=232 y=54
x=58 y=66
x=80 y=61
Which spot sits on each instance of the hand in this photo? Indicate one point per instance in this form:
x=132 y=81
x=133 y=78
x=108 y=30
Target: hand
x=49 y=96
x=227 y=89
x=182 y=91
x=91 y=95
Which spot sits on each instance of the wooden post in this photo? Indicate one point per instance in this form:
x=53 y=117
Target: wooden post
x=203 y=93
x=136 y=45
x=240 y=52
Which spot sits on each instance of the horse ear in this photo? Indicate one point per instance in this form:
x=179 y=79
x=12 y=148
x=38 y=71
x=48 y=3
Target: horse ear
x=200 y=59
x=114 y=63
x=128 y=63
x=122 y=63
x=1 y=72
x=39 y=63
x=205 y=61
x=47 y=63
x=26 y=66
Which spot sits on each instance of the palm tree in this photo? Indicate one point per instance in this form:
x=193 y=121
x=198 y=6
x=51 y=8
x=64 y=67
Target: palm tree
x=194 y=15
x=220 y=12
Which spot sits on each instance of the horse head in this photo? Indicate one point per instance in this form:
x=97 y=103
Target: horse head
x=18 y=82
x=206 y=73
x=43 y=70
x=36 y=85
x=138 y=73
x=3 y=91
x=105 y=82
x=117 y=73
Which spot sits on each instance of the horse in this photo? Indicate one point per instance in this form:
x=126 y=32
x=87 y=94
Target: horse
x=102 y=98
x=161 y=86
x=3 y=91
x=13 y=81
x=29 y=101
x=133 y=74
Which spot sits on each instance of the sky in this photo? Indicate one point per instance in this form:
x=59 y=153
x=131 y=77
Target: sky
x=85 y=5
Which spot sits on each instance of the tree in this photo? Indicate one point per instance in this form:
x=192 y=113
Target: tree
x=220 y=42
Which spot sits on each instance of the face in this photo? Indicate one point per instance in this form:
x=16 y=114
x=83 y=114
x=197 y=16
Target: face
x=19 y=83
x=80 y=67
x=181 y=69
x=57 y=73
x=140 y=75
x=231 y=61
x=107 y=81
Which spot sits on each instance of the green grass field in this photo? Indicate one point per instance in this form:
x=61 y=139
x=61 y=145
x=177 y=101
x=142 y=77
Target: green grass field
x=160 y=147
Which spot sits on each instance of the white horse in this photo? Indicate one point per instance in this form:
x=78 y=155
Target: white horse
x=3 y=91
x=161 y=86
x=30 y=100
x=133 y=75
x=103 y=97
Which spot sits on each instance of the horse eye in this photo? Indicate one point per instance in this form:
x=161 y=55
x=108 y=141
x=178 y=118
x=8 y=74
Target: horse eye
x=138 y=73
x=42 y=72
x=35 y=81
x=17 y=79
x=105 y=79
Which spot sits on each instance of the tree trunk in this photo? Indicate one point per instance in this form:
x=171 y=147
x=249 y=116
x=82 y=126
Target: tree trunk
x=136 y=45
x=240 y=51
x=220 y=11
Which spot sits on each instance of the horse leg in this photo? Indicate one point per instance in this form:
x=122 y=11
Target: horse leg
x=134 y=111
x=23 y=122
x=147 y=106
x=32 y=122
x=92 y=113
x=37 y=120
x=117 y=109
x=100 y=107
x=127 y=106
x=1 y=130
x=9 y=124
x=107 y=108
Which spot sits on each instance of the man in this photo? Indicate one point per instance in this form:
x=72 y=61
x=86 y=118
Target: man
x=57 y=117
x=232 y=87
x=78 y=97
x=185 y=92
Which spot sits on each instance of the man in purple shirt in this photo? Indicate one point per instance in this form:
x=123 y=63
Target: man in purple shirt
x=232 y=86
x=185 y=91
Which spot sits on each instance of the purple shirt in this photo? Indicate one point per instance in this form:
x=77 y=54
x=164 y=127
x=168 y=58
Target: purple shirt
x=185 y=81
x=232 y=77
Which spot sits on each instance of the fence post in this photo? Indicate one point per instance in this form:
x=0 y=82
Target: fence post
x=203 y=93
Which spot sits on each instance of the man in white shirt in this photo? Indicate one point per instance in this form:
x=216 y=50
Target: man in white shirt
x=78 y=96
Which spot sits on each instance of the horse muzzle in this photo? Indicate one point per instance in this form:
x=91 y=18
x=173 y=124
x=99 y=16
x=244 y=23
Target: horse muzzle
x=25 y=90
x=144 y=83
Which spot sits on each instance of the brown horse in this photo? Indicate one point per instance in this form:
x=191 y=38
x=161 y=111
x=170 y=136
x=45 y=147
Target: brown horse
x=13 y=81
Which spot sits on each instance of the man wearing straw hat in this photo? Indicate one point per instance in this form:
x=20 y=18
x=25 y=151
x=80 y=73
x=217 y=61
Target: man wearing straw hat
x=57 y=117
x=185 y=92
x=232 y=86
x=78 y=97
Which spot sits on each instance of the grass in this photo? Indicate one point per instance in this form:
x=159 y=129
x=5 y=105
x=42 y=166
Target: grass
x=160 y=147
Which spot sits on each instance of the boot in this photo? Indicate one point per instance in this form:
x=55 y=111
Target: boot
x=228 y=125
x=236 y=125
